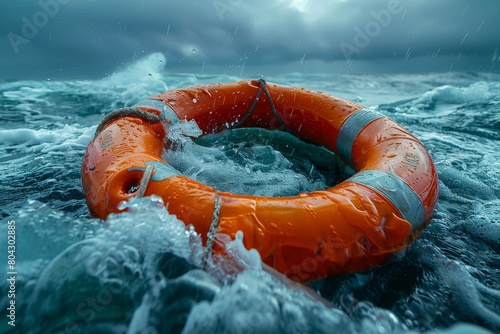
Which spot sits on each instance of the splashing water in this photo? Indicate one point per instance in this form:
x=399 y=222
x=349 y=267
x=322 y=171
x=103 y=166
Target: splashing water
x=143 y=271
x=253 y=161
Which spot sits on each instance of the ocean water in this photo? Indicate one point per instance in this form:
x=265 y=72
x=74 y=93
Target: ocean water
x=142 y=271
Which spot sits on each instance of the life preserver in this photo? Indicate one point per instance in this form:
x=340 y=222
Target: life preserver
x=351 y=226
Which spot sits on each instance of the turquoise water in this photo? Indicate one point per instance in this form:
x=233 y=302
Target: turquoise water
x=140 y=271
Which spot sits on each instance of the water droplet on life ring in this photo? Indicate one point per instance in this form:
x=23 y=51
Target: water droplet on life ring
x=91 y=167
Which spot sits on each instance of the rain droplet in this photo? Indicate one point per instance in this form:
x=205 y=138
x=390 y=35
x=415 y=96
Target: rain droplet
x=193 y=51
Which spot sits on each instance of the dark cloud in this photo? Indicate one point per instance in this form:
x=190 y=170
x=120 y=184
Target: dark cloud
x=89 y=38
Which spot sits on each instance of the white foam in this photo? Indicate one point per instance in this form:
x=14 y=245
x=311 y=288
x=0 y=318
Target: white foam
x=180 y=132
x=148 y=220
x=478 y=92
x=63 y=140
x=257 y=303
x=255 y=167
x=144 y=69
x=442 y=101
x=137 y=81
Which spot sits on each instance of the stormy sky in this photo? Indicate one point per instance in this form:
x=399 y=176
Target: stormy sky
x=93 y=38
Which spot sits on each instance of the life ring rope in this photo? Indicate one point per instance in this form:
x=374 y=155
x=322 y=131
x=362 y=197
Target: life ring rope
x=254 y=104
x=128 y=112
x=212 y=231
x=148 y=172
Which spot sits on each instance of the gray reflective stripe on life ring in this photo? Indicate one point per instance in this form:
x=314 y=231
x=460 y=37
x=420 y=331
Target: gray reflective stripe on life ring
x=401 y=195
x=350 y=130
x=165 y=110
x=161 y=172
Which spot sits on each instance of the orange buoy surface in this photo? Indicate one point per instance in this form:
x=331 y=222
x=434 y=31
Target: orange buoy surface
x=349 y=227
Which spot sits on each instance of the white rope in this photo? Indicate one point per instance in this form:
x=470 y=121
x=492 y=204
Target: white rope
x=211 y=232
x=145 y=181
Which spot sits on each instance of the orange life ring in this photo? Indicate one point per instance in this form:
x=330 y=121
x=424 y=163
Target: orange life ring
x=349 y=227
